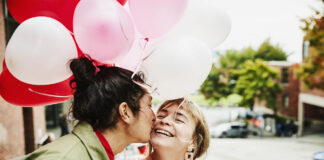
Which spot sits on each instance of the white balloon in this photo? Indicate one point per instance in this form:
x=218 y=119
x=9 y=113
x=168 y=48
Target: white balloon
x=177 y=67
x=204 y=21
x=39 y=50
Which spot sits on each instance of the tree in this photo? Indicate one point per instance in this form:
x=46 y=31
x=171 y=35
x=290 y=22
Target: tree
x=311 y=71
x=269 y=52
x=216 y=85
x=221 y=81
x=257 y=80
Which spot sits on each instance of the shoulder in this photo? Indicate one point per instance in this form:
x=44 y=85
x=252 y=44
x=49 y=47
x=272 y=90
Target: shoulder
x=68 y=147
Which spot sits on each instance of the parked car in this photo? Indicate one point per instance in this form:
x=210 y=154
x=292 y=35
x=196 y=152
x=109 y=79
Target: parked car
x=232 y=129
x=318 y=155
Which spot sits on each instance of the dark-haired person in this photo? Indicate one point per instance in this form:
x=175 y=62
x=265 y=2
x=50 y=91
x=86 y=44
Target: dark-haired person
x=112 y=112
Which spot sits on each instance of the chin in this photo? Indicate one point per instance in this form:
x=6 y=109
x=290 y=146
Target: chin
x=142 y=139
x=158 y=142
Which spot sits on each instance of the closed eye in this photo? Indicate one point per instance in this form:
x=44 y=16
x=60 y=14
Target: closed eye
x=160 y=116
x=179 y=120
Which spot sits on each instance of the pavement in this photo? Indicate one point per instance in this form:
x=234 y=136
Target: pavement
x=265 y=148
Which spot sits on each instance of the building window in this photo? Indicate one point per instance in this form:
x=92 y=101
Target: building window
x=305 y=49
x=284 y=75
x=285 y=101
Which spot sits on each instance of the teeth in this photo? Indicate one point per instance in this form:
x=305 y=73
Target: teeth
x=163 y=132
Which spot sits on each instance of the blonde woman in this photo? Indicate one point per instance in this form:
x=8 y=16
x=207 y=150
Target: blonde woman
x=179 y=132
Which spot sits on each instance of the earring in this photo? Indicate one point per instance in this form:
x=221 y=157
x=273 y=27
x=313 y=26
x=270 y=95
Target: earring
x=190 y=154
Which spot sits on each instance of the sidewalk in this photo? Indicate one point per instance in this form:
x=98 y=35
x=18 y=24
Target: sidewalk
x=316 y=139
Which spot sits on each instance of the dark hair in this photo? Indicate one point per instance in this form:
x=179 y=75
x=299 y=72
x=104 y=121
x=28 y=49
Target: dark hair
x=100 y=89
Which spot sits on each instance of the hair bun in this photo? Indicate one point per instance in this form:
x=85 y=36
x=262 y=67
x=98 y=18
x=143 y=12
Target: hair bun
x=83 y=71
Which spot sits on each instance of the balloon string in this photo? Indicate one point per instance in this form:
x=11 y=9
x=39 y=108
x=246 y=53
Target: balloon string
x=150 y=89
x=122 y=29
x=137 y=68
x=180 y=138
x=180 y=105
x=143 y=59
x=145 y=44
x=49 y=95
x=139 y=65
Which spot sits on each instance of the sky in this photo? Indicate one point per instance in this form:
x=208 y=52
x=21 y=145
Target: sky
x=253 y=21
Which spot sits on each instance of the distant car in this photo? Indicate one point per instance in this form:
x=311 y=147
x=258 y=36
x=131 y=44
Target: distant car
x=318 y=155
x=232 y=129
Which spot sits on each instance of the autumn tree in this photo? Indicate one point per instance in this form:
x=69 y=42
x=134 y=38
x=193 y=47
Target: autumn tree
x=311 y=71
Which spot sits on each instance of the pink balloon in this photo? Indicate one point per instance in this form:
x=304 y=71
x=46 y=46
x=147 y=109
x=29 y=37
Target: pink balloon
x=135 y=55
x=154 y=18
x=103 y=29
x=141 y=50
x=132 y=59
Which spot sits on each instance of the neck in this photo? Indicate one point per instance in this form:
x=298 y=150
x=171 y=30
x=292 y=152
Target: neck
x=117 y=139
x=167 y=154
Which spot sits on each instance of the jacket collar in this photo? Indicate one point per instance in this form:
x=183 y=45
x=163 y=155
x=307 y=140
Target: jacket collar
x=86 y=134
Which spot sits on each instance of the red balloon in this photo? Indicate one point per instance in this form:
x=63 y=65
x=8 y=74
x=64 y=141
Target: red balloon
x=61 y=10
x=122 y=2
x=27 y=95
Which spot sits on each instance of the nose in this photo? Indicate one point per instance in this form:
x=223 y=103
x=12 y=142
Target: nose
x=166 y=120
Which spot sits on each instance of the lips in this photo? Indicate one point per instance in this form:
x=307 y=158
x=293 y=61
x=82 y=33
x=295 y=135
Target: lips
x=163 y=132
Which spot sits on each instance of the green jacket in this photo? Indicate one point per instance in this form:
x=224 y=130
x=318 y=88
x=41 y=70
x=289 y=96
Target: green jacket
x=81 y=144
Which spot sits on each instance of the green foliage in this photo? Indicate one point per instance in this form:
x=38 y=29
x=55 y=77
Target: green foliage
x=257 y=81
x=221 y=81
x=216 y=84
x=231 y=100
x=311 y=71
x=269 y=52
x=234 y=59
x=202 y=101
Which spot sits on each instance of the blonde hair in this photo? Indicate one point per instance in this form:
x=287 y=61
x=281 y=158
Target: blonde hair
x=201 y=132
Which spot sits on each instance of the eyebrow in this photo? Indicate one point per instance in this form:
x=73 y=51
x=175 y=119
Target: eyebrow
x=178 y=113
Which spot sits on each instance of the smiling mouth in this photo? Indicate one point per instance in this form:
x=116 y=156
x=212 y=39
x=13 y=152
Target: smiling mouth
x=166 y=133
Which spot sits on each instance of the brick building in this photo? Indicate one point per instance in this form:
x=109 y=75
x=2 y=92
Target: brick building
x=294 y=101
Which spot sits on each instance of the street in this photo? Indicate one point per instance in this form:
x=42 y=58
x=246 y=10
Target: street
x=265 y=148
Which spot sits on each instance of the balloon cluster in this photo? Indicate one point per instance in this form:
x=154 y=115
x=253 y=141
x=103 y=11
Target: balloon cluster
x=169 y=40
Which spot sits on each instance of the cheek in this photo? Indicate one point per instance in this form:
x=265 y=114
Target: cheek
x=148 y=113
x=185 y=131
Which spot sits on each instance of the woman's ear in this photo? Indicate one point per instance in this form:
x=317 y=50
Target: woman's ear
x=125 y=112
